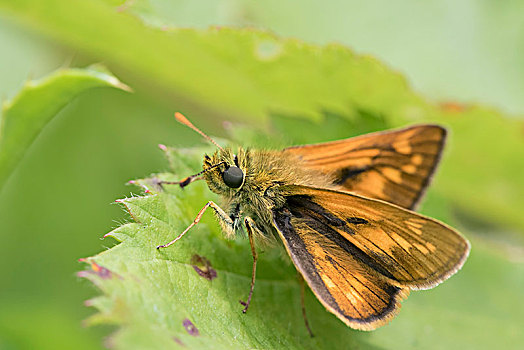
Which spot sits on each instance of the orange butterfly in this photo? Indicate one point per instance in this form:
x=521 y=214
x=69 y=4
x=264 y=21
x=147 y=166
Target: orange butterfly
x=343 y=211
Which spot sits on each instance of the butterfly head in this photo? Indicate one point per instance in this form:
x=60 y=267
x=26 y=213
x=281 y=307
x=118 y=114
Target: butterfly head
x=225 y=171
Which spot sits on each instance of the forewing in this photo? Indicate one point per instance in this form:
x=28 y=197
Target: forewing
x=395 y=166
x=361 y=256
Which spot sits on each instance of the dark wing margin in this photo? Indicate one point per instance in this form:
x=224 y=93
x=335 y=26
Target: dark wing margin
x=394 y=165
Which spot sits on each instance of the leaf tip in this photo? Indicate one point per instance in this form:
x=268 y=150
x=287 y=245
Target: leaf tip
x=96 y=269
x=137 y=183
x=118 y=84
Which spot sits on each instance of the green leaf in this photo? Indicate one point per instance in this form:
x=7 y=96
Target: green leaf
x=426 y=39
x=161 y=301
x=250 y=74
x=25 y=116
x=242 y=73
x=483 y=168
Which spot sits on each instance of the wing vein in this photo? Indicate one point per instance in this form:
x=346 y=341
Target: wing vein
x=333 y=262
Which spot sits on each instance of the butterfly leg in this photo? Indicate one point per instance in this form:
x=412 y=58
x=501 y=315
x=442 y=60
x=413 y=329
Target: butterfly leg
x=220 y=213
x=303 y=304
x=251 y=229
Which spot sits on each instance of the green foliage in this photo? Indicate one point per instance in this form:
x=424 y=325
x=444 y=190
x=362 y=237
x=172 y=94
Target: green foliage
x=241 y=73
x=248 y=74
x=447 y=52
x=38 y=102
x=297 y=93
x=153 y=293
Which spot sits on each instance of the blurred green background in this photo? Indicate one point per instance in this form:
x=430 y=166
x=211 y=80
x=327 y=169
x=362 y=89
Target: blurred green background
x=57 y=203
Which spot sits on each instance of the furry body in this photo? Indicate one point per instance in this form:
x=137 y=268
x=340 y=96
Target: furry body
x=267 y=173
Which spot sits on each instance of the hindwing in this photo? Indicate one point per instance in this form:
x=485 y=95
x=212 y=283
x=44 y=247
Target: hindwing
x=362 y=256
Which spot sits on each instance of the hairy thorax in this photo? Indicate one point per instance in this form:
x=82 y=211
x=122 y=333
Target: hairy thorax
x=267 y=173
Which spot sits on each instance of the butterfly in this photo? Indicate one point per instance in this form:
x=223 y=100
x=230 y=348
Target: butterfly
x=344 y=213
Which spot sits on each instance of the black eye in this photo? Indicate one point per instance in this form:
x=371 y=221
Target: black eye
x=233 y=177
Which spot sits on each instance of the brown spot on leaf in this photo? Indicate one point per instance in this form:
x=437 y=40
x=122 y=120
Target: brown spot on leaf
x=178 y=341
x=190 y=328
x=97 y=269
x=101 y=271
x=203 y=267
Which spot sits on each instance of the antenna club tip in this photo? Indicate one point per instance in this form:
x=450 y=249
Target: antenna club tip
x=181 y=118
x=186 y=181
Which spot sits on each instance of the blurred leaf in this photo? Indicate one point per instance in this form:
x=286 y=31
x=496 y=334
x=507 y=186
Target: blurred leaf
x=243 y=73
x=408 y=35
x=249 y=74
x=21 y=327
x=24 y=117
x=482 y=171
x=161 y=301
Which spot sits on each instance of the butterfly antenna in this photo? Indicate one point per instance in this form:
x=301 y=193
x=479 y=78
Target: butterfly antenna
x=183 y=120
x=184 y=182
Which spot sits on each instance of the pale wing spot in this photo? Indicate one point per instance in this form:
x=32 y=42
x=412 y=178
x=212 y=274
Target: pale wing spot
x=357 y=162
x=376 y=235
x=415 y=222
x=403 y=243
x=416 y=159
x=409 y=168
x=366 y=153
x=359 y=157
x=431 y=247
x=393 y=174
x=422 y=248
x=328 y=282
x=416 y=230
x=358 y=143
x=353 y=297
x=318 y=251
x=339 y=287
x=409 y=133
x=402 y=147
x=376 y=183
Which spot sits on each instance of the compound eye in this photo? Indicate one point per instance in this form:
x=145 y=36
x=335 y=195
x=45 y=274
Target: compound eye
x=233 y=177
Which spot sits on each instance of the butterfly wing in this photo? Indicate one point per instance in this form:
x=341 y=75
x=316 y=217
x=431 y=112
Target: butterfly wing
x=362 y=256
x=395 y=166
